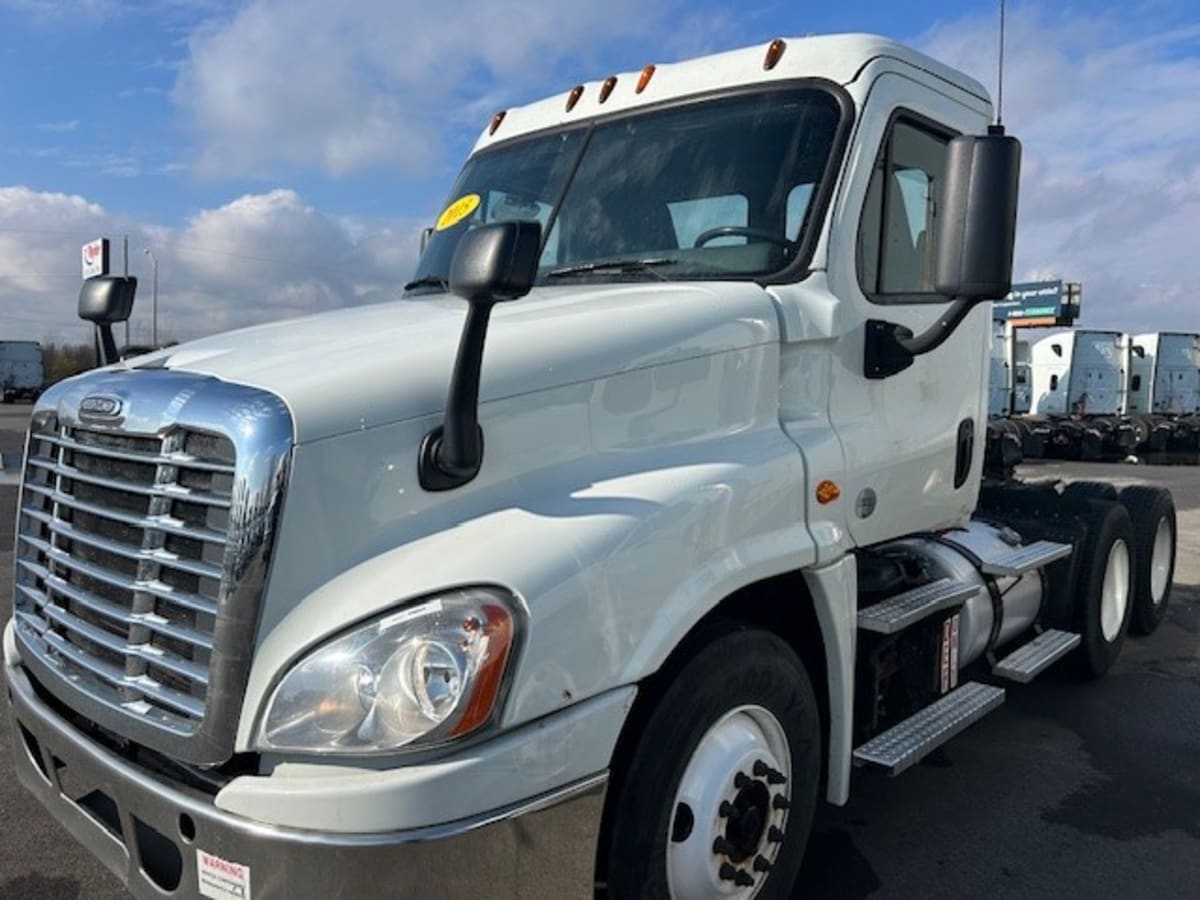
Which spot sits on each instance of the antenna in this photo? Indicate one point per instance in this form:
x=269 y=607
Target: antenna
x=1000 y=74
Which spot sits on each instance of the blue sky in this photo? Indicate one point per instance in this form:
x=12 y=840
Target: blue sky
x=280 y=155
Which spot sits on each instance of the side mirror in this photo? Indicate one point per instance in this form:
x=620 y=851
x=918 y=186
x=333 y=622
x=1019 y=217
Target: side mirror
x=496 y=262
x=106 y=300
x=977 y=223
x=492 y=263
x=976 y=234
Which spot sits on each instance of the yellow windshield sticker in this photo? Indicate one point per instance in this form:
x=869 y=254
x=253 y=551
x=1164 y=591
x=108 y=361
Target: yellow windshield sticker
x=457 y=211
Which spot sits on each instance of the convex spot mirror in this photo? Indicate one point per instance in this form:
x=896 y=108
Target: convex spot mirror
x=107 y=299
x=496 y=262
x=977 y=223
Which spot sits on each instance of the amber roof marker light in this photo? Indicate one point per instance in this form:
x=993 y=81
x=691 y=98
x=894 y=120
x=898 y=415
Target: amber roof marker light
x=774 y=52
x=496 y=120
x=573 y=97
x=644 y=78
x=607 y=88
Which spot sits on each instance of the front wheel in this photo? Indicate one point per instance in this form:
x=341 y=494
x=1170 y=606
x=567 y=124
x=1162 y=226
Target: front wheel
x=717 y=798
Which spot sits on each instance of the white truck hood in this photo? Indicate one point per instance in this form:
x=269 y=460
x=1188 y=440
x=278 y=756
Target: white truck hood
x=367 y=366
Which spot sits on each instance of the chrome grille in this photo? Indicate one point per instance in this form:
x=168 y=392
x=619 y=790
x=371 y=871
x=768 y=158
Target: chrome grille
x=120 y=557
x=145 y=534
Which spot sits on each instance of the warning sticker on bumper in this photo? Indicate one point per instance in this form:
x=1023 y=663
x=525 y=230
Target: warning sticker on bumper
x=221 y=879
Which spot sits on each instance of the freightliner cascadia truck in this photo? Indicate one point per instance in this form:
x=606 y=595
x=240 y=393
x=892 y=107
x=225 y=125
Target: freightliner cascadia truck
x=652 y=511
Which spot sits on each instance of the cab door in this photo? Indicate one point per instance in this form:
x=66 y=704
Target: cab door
x=912 y=442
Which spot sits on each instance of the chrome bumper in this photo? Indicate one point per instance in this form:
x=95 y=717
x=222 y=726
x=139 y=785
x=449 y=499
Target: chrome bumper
x=152 y=834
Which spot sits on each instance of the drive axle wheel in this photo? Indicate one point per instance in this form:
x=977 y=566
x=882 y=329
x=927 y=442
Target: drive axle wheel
x=1103 y=603
x=1153 y=514
x=718 y=795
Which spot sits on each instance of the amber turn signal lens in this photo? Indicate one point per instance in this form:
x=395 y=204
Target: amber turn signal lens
x=644 y=78
x=496 y=120
x=827 y=492
x=774 y=51
x=607 y=88
x=573 y=97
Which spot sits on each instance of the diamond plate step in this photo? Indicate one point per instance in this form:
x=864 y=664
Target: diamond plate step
x=897 y=613
x=907 y=743
x=1029 y=661
x=1024 y=559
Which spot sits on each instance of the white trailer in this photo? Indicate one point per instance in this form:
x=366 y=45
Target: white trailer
x=22 y=372
x=652 y=511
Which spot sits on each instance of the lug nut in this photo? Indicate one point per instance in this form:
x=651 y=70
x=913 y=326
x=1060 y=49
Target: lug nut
x=743 y=879
x=727 y=872
x=774 y=835
x=741 y=781
x=761 y=864
x=722 y=847
x=773 y=776
x=726 y=809
x=781 y=802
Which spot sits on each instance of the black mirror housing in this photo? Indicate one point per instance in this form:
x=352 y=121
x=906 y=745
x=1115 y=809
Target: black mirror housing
x=977 y=224
x=107 y=299
x=496 y=262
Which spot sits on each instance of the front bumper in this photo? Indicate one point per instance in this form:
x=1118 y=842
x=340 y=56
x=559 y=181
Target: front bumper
x=153 y=835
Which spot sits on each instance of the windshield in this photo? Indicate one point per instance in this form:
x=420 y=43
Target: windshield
x=715 y=189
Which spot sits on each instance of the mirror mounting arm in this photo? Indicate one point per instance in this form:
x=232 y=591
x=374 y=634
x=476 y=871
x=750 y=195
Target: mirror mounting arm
x=452 y=453
x=891 y=348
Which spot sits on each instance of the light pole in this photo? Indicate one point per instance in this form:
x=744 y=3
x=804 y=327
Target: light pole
x=154 y=302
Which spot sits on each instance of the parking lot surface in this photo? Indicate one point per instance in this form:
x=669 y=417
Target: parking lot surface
x=1068 y=790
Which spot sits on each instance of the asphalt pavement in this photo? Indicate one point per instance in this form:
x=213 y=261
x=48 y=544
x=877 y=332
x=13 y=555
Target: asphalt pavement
x=1070 y=789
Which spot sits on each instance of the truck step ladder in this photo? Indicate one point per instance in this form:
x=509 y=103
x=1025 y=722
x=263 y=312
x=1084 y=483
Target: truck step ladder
x=1027 y=662
x=897 y=613
x=1020 y=560
x=907 y=744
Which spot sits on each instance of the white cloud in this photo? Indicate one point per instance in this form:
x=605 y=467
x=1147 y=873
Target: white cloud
x=1106 y=109
x=257 y=258
x=59 y=127
x=364 y=83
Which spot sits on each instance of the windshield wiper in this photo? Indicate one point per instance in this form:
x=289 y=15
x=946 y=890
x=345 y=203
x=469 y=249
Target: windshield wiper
x=615 y=265
x=428 y=281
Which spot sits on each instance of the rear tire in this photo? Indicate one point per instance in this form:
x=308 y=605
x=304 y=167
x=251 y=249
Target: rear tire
x=1104 y=595
x=1152 y=512
x=696 y=793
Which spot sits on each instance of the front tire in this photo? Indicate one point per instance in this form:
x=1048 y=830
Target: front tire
x=717 y=797
x=1152 y=512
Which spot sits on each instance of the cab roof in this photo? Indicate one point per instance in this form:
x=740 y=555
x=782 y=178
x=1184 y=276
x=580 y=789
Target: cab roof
x=837 y=58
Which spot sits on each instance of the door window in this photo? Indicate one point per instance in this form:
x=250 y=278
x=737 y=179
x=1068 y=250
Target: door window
x=897 y=231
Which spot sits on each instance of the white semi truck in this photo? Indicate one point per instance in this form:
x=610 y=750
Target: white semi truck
x=1079 y=387
x=1164 y=388
x=595 y=593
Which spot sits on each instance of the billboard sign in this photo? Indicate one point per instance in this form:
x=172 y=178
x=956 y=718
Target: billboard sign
x=1039 y=303
x=95 y=258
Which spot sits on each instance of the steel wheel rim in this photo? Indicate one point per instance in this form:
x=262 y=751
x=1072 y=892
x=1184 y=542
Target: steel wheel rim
x=1114 y=595
x=748 y=741
x=1160 y=560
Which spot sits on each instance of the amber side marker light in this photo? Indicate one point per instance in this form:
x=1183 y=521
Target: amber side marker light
x=827 y=492
x=607 y=88
x=573 y=97
x=644 y=78
x=774 y=52
x=496 y=120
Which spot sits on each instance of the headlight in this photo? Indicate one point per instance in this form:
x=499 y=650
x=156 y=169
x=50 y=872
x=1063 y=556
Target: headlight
x=431 y=672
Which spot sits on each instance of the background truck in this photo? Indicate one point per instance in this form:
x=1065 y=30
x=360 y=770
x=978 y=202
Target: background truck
x=22 y=373
x=1079 y=382
x=595 y=593
x=1164 y=389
